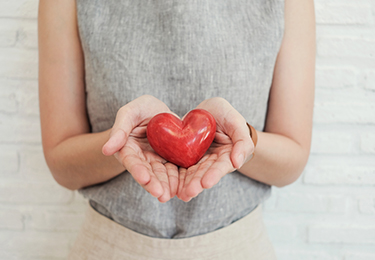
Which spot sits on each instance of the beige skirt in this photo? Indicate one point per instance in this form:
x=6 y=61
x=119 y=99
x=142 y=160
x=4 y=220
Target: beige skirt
x=101 y=238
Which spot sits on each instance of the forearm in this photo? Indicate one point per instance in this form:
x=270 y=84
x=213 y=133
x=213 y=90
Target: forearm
x=78 y=161
x=278 y=160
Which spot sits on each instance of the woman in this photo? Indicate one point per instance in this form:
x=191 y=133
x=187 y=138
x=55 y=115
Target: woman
x=107 y=67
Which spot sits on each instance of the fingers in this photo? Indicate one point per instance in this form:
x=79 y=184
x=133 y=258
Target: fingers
x=181 y=181
x=188 y=191
x=115 y=143
x=232 y=123
x=160 y=171
x=124 y=124
x=192 y=180
x=158 y=178
x=173 y=177
x=218 y=170
x=193 y=185
x=141 y=171
x=243 y=147
x=128 y=117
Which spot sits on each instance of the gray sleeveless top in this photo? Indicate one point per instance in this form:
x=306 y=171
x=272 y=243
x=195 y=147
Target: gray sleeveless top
x=182 y=52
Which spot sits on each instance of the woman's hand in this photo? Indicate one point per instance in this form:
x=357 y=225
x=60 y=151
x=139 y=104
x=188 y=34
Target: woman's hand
x=231 y=148
x=128 y=143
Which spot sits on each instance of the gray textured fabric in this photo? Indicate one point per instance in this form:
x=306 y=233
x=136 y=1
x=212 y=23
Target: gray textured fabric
x=181 y=52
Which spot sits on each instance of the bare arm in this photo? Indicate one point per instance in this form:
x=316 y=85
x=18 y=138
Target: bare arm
x=284 y=147
x=72 y=153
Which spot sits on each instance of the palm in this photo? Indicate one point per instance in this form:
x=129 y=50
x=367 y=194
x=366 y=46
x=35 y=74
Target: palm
x=128 y=142
x=149 y=169
x=209 y=170
x=231 y=148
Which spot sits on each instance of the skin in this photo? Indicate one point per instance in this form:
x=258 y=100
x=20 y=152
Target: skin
x=78 y=158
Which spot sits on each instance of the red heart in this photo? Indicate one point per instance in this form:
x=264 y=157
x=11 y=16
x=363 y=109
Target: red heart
x=182 y=142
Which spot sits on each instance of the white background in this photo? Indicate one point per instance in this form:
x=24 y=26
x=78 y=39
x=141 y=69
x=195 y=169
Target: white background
x=328 y=214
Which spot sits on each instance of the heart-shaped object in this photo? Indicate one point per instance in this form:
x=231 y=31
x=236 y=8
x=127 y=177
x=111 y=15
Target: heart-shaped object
x=182 y=142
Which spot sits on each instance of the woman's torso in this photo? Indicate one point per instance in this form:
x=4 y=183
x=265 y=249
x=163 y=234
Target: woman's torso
x=181 y=52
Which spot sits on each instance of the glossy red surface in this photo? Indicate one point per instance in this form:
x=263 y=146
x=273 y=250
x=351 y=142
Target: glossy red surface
x=182 y=142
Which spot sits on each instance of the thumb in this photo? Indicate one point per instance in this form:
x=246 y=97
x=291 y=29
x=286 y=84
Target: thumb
x=116 y=141
x=243 y=147
x=124 y=124
x=129 y=117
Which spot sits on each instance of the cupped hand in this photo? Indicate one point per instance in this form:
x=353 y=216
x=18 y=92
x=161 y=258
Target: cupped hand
x=128 y=143
x=231 y=148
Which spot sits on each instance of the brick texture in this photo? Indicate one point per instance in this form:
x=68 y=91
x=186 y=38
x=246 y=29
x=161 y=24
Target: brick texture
x=359 y=256
x=336 y=77
x=343 y=234
x=368 y=143
x=370 y=80
x=345 y=14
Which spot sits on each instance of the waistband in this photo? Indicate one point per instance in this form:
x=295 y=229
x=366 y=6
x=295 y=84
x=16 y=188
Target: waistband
x=242 y=231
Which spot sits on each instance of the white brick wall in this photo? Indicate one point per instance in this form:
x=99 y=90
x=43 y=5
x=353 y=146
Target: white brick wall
x=328 y=214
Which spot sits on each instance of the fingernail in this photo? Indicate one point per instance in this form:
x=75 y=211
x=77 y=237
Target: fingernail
x=241 y=160
x=116 y=155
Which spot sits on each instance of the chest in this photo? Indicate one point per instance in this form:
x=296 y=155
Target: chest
x=181 y=52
